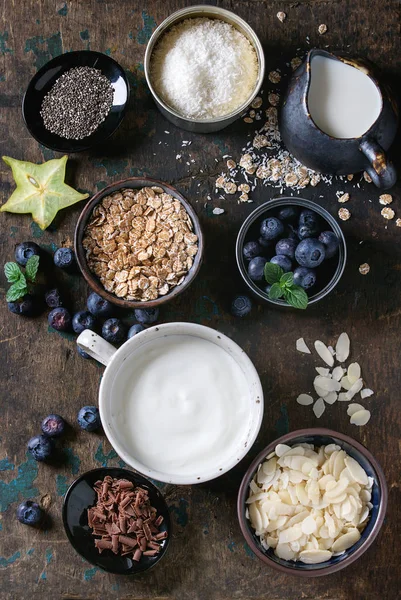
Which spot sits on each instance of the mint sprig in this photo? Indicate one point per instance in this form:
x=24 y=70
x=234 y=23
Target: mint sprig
x=18 y=279
x=283 y=286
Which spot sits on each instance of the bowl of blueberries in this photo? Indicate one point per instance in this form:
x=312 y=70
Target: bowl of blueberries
x=296 y=243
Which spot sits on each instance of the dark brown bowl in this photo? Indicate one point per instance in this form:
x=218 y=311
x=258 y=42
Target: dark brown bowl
x=93 y=281
x=319 y=437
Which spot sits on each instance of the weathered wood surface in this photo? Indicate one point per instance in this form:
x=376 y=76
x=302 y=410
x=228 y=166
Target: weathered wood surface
x=41 y=371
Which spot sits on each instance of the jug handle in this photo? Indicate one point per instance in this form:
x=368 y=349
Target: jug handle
x=96 y=346
x=381 y=170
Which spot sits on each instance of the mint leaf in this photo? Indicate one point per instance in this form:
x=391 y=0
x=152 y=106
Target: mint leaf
x=31 y=268
x=287 y=280
x=17 y=290
x=272 y=273
x=296 y=296
x=276 y=291
x=12 y=272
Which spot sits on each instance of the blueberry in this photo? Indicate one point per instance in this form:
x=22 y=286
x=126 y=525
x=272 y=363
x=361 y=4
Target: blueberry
x=310 y=253
x=286 y=247
x=241 y=306
x=25 y=306
x=282 y=261
x=251 y=249
x=264 y=244
x=40 y=447
x=29 y=513
x=89 y=418
x=64 y=258
x=291 y=232
x=98 y=306
x=271 y=228
x=330 y=241
x=59 y=318
x=114 y=331
x=53 y=298
x=83 y=353
x=83 y=320
x=304 y=277
x=137 y=328
x=24 y=251
x=267 y=289
x=309 y=217
x=256 y=268
x=53 y=426
x=146 y=316
x=307 y=231
x=288 y=213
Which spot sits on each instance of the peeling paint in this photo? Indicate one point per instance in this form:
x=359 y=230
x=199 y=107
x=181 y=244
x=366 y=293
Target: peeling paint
x=61 y=485
x=36 y=230
x=4 y=49
x=13 y=231
x=63 y=10
x=181 y=512
x=149 y=24
x=113 y=166
x=206 y=308
x=72 y=460
x=103 y=458
x=44 y=48
x=90 y=573
x=231 y=546
x=21 y=486
x=248 y=551
x=4 y=562
x=6 y=465
x=282 y=425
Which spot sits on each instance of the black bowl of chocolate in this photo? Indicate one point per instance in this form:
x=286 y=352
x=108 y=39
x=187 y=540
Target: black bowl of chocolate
x=76 y=101
x=117 y=520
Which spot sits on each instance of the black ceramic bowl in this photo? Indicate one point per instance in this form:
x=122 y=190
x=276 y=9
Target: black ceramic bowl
x=80 y=496
x=45 y=78
x=329 y=273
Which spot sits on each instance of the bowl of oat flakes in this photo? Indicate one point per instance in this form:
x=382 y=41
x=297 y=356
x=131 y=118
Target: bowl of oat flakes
x=138 y=243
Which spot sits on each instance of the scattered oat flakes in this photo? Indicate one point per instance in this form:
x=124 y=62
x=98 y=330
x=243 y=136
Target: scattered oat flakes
x=281 y=16
x=231 y=164
x=344 y=214
x=295 y=63
x=230 y=187
x=218 y=211
x=291 y=179
x=273 y=99
x=252 y=114
x=343 y=198
x=387 y=213
x=350 y=177
x=385 y=199
x=274 y=77
x=322 y=28
x=244 y=187
x=257 y=103
x=364 y=269
x=220 y=181
x=367 y=177
x=244 y=197
x=398 y=222
x=260 y=141
x=248 y=120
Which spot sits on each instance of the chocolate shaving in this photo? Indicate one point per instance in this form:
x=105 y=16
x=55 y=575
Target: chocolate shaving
x=124 y=520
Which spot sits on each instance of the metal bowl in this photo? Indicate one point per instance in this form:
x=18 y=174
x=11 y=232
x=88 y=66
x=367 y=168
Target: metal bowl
x=319 y=437
x=93 y=281
x=212 y=12
x=268 y=209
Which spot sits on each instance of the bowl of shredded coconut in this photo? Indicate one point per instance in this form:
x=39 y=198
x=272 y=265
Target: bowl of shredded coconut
x=204 y=66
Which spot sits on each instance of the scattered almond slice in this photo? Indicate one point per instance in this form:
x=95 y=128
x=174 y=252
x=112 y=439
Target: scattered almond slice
x=282 y=449
x=338 y=373
x=342 y=397
x=356 y=387
x=319 y=408
x=356 y=471
x=353 y=408
x=304 y=399
x=331 y=350
x=324 y=353
x=301 y=346
x=320 y=391
x=345 y=383
x=366 y=393
x=354 y=372
x=311 y=557
x=361 y=417
x=323 y=372
x=331 y=397
x=327 y=384
x=342 y=347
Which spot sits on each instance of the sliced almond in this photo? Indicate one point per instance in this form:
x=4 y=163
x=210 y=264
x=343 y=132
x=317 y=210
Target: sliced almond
x=356 y=471
x=311 y=557
x=366 y=393
x=328 y=384
x=355 y=388
x=304 y=399
x=353 y=408
x=338 y=373
x=319 y=408
x=342 y=397
x=301 y=346
x=345 y=383
x=361 y=417
x=324 y=353
x=323 y=371
x=320 y=391
x=346 y=541
x=282 y=449
x=342 y=347
x=331 y=397
x=354 y=372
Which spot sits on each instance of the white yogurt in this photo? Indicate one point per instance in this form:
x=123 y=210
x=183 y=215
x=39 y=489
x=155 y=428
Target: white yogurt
x=343 y=101
x=179 y=403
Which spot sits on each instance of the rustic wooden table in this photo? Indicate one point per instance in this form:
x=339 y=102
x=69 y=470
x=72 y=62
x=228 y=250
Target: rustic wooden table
x=42 y=373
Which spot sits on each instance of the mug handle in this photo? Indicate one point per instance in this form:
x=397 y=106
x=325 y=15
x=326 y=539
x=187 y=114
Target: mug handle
x=381 y=170
x=96 y=346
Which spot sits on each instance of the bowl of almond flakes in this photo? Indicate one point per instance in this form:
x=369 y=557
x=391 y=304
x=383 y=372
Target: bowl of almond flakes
x=138 y=243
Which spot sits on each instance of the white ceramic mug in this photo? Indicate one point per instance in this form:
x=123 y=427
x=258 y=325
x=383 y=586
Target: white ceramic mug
x=113 y=359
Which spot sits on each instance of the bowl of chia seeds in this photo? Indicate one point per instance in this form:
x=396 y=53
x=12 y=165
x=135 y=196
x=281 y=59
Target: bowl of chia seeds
x=76 y=101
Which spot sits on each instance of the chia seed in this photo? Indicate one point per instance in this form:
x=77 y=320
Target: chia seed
x=78 y=103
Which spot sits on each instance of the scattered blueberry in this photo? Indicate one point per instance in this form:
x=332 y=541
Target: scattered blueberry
x=146 y=316
x=330 y=241
x=40 y=447
x=53 y=298
x=89 y=418
x=282 y=261
x=60 y=319
x=241 y=306
x=251 y=249
x=83 y=320
x=98 y=306
x=83 y=353
x=114 y=331
x=271 y=228
x=25 y=306
x=307 y=231
x=267 y=288
x=304 y=277
x=264 y=243
x=137 y=328
x=24 y=251
x=64 y=258
x=288 y=213
x=310 y=253
x=29 y=513
x=286 y=247
x=256 y=268
x=53 y=426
